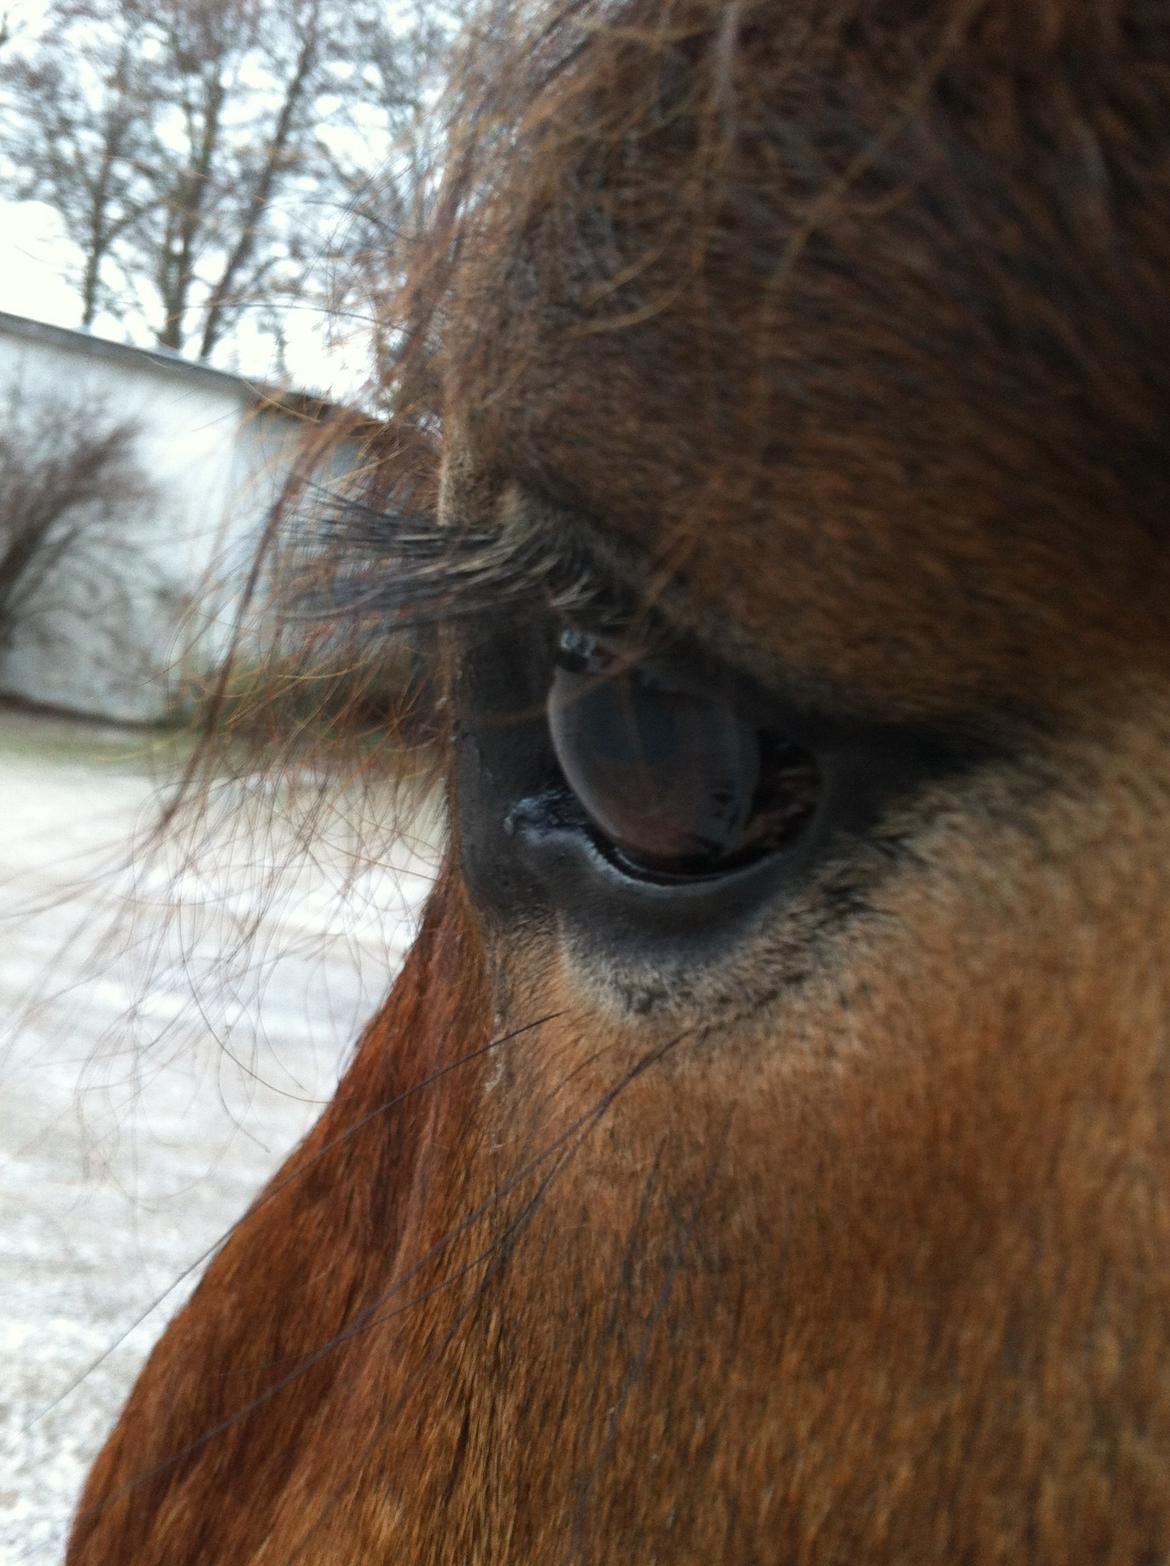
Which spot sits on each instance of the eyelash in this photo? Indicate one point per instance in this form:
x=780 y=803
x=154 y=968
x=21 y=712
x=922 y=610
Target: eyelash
x=407 y=571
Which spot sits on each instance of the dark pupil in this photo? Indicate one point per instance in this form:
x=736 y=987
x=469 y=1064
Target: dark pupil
x=666 y=769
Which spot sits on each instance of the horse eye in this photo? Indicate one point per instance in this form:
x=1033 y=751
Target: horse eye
x=680 y=783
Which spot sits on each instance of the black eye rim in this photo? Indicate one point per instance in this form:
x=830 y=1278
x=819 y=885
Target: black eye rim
x=529 y=853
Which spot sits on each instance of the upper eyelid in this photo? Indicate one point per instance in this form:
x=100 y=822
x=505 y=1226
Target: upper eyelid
x=530 y=554
x=652 y=605
x=540 y=558
x=595 y=576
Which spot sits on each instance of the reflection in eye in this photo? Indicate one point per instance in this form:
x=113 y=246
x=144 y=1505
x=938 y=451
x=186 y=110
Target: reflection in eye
x=665 y=766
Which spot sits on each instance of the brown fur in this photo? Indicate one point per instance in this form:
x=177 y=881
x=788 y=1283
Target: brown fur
x=843 y=329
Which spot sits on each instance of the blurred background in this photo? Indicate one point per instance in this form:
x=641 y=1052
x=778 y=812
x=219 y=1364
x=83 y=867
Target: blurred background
x=205 y=209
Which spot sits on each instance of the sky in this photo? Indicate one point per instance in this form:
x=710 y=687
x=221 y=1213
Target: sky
x=36 y=258
x=33 y=253
x=36 y=255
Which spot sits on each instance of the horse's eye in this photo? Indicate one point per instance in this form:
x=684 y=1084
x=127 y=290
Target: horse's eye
x=677 y=781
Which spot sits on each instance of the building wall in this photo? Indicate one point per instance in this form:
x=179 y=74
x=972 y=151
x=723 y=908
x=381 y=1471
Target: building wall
x=121 y=627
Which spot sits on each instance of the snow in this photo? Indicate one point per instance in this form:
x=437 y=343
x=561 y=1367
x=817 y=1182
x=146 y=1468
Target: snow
x=172 y=1018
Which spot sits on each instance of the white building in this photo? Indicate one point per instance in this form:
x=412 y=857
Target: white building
x=119 y=636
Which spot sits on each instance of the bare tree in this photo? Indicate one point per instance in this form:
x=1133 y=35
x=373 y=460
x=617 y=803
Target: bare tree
x=79 y=136
x=388 y=208
x=68 y=484
x=202 y=153
x=250 y=82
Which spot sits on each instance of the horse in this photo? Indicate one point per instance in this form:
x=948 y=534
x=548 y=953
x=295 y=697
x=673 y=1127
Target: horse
x=764 y=1153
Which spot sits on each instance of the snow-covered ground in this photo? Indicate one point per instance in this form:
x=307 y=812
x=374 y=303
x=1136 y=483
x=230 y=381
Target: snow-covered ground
x=171 y=1019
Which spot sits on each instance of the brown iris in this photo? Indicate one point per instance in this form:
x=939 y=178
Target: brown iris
x=666 y=767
